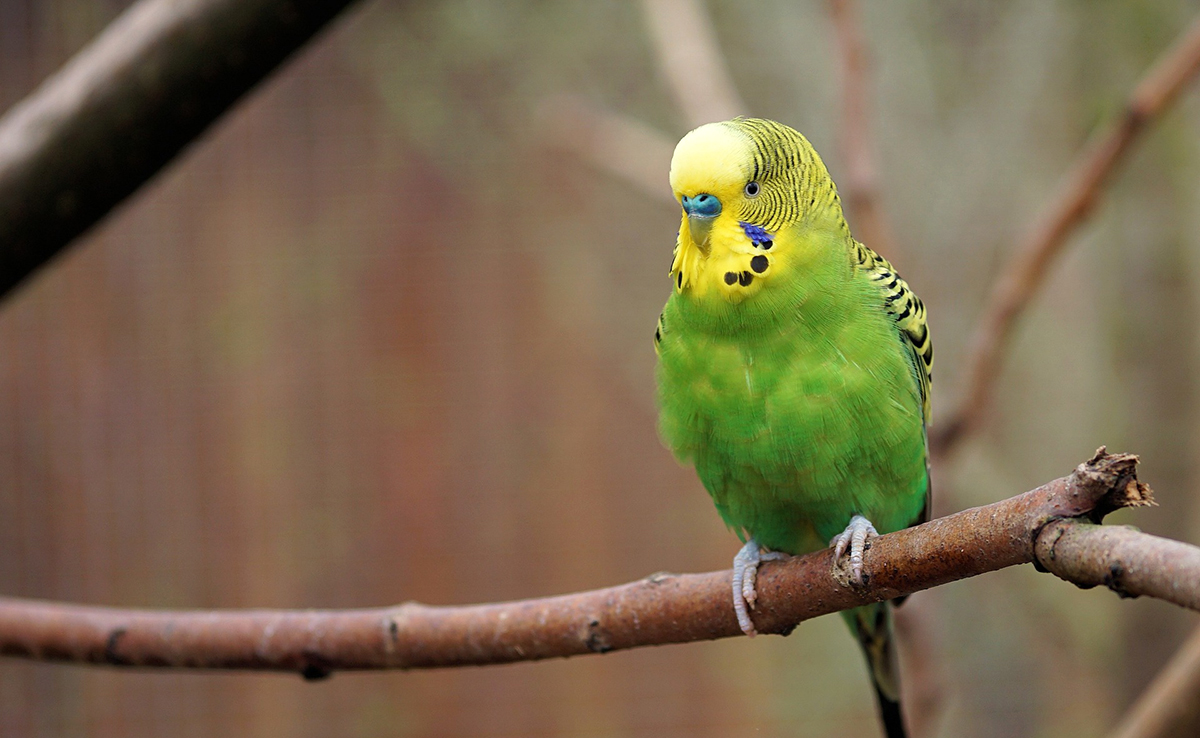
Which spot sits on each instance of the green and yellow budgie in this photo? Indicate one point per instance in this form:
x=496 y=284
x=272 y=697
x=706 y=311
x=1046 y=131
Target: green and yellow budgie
x=794 y=367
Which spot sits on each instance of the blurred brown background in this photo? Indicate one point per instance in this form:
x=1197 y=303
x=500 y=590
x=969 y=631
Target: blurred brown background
x=379 y=336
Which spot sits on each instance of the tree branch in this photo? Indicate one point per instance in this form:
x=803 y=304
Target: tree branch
x=611 y=142
x=1171 y=704
x=126 y=105
x=691 y=61
x=1037 y=526
x=1075 y=200
x=861 y=181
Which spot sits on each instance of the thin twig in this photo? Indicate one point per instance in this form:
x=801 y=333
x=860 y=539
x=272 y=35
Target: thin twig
x=611 y=142
x=665 y=608
x=1171 y=704
x=860 y=181
x=1075 y=200
x=123 y=107
x=922 y=676
x=690 y=58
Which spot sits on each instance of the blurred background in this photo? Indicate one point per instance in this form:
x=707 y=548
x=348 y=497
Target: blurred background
x=384 y=334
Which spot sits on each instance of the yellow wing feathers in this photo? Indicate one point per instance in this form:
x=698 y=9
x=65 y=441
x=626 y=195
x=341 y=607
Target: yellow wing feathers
x=907 y=310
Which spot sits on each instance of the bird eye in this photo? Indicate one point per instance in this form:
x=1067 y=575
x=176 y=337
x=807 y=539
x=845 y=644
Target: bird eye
x=752 y=189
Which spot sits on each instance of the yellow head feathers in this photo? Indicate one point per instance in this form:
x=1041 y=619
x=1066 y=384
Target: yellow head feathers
x=715 y=158
x=740 y=183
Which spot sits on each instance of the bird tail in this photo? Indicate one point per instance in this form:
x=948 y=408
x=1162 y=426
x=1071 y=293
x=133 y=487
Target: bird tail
x=872 y=626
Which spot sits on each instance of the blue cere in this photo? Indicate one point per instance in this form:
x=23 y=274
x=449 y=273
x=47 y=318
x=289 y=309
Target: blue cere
x=703 y=205
x=757 y=235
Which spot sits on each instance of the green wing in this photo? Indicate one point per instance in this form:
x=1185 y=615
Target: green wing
x=907 y=310
x=903 y=305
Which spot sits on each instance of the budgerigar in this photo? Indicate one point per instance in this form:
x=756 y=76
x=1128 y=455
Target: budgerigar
x=794 y=367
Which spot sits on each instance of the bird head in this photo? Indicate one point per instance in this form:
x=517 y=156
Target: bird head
x=739 y=182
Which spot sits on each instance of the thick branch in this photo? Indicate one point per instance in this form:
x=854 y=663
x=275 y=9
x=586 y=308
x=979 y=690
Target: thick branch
x=1074 y=201
x=861 y=181
x=126 y=105
x=664 y=608
x=1123 y=559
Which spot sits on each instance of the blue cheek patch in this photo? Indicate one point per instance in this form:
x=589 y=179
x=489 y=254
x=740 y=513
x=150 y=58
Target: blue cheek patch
x=758 y=236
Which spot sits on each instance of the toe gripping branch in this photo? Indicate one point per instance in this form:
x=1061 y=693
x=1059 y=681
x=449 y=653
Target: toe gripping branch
x=1054 y=525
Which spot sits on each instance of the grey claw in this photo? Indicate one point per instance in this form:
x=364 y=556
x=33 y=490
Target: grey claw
x=855 y=538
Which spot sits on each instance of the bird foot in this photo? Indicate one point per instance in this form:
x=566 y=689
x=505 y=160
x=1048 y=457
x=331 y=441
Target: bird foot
x=856 y=538
x=745 y=572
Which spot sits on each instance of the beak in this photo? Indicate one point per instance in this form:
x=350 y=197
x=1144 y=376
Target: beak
x=702 y=210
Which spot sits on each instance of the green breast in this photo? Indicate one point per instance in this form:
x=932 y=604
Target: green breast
x=796 y=425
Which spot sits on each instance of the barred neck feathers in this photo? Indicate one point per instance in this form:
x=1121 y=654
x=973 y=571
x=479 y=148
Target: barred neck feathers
x=776 y=215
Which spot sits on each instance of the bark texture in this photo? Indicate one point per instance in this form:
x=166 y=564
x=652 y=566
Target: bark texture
x=1051 y=525
x=125 y=105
